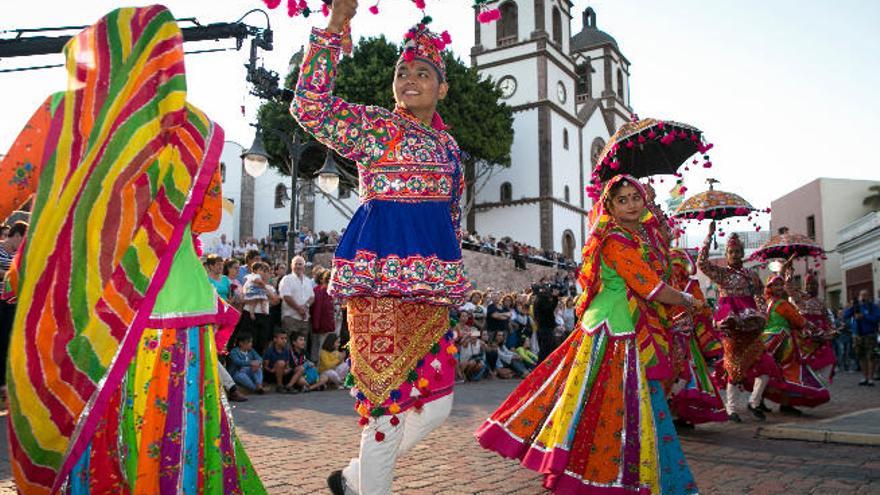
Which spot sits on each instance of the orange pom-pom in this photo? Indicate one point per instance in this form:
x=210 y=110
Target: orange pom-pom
x=394 y=408
x=451 y=349
x=423 y=382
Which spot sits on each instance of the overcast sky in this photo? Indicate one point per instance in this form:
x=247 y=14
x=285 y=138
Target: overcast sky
x=787 y=90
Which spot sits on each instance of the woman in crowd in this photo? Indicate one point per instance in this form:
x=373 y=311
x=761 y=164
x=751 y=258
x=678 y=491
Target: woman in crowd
x=322 y=315
x=589 y=418
x=798 y=384
x=231 y=269
x=214 y=267
x=332 y=362
x=746 y=361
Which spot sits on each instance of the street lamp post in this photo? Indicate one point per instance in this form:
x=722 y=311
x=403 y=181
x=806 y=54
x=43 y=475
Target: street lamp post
x=257 y=154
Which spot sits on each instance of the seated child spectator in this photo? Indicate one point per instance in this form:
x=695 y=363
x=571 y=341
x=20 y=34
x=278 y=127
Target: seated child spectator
x=309 y=378
x=245 y=364
x=332 y=363
x=278 y=364
x=258 y=295
x=516 y=342
x=509 y=359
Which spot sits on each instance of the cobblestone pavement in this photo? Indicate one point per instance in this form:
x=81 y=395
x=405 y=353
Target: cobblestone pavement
x=295 y=441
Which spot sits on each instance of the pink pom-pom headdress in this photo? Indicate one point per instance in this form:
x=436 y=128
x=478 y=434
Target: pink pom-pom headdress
x=422 y=44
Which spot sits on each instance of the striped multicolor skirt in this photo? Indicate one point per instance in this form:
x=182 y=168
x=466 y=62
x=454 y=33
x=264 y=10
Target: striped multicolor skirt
x=798 y=384
x=168 y=428
x=590 y=420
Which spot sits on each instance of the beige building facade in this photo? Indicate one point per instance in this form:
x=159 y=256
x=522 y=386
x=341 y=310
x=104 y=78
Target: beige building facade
x=820 y=209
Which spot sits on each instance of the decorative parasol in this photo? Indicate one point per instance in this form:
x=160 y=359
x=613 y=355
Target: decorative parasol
x=787 y=244
x=649 y=147
x=715 y=205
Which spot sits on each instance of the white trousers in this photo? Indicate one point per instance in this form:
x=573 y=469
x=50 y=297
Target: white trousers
x=372 y=472
x=225 y=378
x=733 y=393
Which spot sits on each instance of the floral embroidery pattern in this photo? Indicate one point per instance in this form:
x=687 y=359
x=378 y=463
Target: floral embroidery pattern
x=413 y=277
x=22 y=176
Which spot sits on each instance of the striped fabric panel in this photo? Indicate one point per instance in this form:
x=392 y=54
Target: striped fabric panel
x=127 y=161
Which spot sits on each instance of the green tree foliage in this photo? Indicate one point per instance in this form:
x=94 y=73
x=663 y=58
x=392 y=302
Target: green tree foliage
x=872 y=201
x=482 y=126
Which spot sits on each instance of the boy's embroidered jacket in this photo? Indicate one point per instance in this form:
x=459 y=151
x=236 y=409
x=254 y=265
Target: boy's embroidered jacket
x=404 y=240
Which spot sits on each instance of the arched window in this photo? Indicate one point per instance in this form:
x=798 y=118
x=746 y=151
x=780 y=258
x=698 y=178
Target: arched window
x=557 y=26
x=620 y=83
x=280 y=195
x=567 y=195
x=223 y=172
x=568 y=245
x=595 y=150
x=508 y=26
x=584 y=73
x=506 y=192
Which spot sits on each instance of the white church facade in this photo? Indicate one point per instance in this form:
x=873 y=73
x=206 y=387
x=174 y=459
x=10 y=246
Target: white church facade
x=568 y=94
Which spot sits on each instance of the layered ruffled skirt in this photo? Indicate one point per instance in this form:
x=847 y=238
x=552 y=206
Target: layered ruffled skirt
x=798 y=384
x=697 y=400
x=591 y=422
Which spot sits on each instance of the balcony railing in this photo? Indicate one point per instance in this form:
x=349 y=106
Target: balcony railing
x=859 y=227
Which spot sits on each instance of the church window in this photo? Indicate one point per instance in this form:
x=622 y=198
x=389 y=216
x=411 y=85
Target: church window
x=568 y=245
x=595 y=150
x=557 y=26
x=620 y=83
x=280 y=195
x=565 y=138
x=223 y=172
x=507 y=27
x=506 y=192
x=811 y=227
x=567 y=195
x=584 y=72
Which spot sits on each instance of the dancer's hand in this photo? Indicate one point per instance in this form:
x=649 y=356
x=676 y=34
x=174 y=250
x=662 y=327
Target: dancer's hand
x=711 y=231
x=341 y=14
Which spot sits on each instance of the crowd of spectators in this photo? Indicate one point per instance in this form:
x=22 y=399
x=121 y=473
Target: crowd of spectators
x=291 y=336
x=520 y=253
x=273 y=251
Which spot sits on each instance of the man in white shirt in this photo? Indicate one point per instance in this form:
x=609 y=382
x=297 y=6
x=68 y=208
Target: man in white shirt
x=224 y=250
x=298 y=294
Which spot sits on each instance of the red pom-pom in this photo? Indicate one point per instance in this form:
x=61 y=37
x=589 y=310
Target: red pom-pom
x=374 y=9
x=325 y=9
x=630 y=144
x=707 y=165
x=642 y=139
x=364 y=421
x=418 y=405
x=395 y=421
x=652 y=134
x=272 y=3
x=420 y=4
x=446 y=37
x=409 y=55
x=380 y=436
